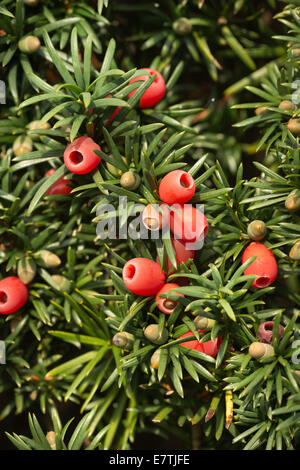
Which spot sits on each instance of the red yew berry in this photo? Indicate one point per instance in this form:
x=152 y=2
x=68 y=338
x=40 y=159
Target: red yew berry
x=188 y=223
x=264 y=266
x=13 y=295
x=211 y=348
x=163 y=304
x=61 y=186
x=142 y=276
x=154 y=93
x=79 y=156
x=265 y=332
x=178 y=186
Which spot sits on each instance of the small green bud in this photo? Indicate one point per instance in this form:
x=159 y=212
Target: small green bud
x=261 y=110
x=29 y=44
x=292 y=202
x=130 y=180
x=260 y=351
x=257 y=230
x=113 y=169
x=62 y=282
x=203 y=323
x=295 y=52
x=123 y=340
x=182 y=26
x=151 y=332
x=287 y=105
x=50 y=436
x=47 y=259
x=22 y=145
x=37 y=125
x=155 y=359
x=294 y=126
x=294 y=253
x=26 y=270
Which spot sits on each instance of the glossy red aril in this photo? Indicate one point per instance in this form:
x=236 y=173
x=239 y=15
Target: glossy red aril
x=154 y=93
x=79 y=156
x=211 y=348
x=178 y=186
x=61 y=186
x=264 y=266
x=143 y=276
x=167 y=305
x=188 y=223
x=13 y=295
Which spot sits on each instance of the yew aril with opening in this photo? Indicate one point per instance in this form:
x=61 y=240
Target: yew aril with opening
x=13 y=295
x=80 y=157
x=178 y=186
x=142 y=276
x=165 y=305
x=264 y=266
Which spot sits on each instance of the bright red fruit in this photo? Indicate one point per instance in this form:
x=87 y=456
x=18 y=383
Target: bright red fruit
x=264 y=266
x=61 y=186
x=178 y=186
x=155 y=92
x=13 y=295
x=211 y=348
x=142 y=276
x=188 y=223
x=79 y=156
x=165 y=305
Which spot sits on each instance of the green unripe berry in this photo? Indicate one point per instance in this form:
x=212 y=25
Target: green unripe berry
x=62 y=282
x=294 y=253
x=130 y=180
x=294 y=126
x=151 y=332
x=261 y=351
x=292 y=202
x=204 y=323
x=113 y=169
x=182 y=26
x=29 y=44
x=257 y=230
x=22 y=145
x=47 y=259
x=123 y=340
x=155 y=359
x=26 y=270
x=261 y=110
x=287 y=105
x=37 y=125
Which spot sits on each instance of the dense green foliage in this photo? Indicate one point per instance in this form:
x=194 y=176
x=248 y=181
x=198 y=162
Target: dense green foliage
x=225 y=60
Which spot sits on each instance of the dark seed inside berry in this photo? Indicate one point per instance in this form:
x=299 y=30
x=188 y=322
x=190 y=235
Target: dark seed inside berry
x=130 y=271
x=3 y=298
x=76 y=157
x=263 y=281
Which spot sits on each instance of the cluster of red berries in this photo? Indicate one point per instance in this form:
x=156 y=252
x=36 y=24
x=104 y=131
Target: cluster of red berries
x=145 y=277
x=80 y=157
